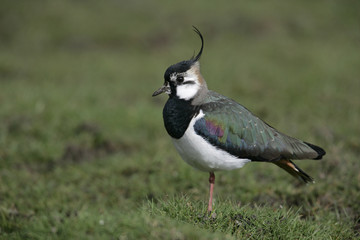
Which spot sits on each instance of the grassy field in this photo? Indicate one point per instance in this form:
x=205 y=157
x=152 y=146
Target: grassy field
x=83 y=150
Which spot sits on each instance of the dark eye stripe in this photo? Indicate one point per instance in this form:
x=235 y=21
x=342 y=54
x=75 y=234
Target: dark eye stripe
x=189 y=82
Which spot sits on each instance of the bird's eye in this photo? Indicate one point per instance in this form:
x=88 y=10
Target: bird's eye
x=180 y=79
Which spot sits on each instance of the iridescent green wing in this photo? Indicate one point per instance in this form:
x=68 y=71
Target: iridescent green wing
x=231 y=127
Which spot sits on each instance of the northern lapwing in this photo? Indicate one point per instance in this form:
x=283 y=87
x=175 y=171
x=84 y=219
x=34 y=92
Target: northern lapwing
x=212 y=132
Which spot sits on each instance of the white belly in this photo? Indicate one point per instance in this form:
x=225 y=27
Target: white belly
x=200 y=154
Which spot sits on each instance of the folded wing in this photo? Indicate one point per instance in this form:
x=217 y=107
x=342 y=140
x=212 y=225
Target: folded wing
x=231 y=127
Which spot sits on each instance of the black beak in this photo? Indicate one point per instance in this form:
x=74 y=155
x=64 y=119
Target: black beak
x=164 y=88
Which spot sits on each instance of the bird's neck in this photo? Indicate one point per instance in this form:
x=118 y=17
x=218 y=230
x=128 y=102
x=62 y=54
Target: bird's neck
x=201 y=95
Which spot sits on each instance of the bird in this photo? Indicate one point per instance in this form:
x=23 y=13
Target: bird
x=212 y=132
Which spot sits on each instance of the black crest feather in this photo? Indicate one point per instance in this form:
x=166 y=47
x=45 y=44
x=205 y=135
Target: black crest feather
x=202 y=45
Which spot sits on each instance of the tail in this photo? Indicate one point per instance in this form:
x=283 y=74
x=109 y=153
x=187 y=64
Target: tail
x=321 y=152
x=291 y=168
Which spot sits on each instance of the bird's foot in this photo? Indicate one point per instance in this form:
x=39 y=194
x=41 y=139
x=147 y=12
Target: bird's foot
x=211 y=214
x=208 y=216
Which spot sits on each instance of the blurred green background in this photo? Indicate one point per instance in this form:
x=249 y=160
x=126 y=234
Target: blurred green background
x=83 y=150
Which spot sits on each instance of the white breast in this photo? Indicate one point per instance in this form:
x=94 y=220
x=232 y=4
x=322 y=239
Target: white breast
x=200 y=154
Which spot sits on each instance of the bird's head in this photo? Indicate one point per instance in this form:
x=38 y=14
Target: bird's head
x=183 y=80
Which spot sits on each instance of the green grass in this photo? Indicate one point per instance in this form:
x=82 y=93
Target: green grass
x=83 y=150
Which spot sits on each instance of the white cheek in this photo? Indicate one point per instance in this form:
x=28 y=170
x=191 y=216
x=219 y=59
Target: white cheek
x=187 y=91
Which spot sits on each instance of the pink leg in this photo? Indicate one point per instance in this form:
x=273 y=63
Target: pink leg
x=212 y=182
